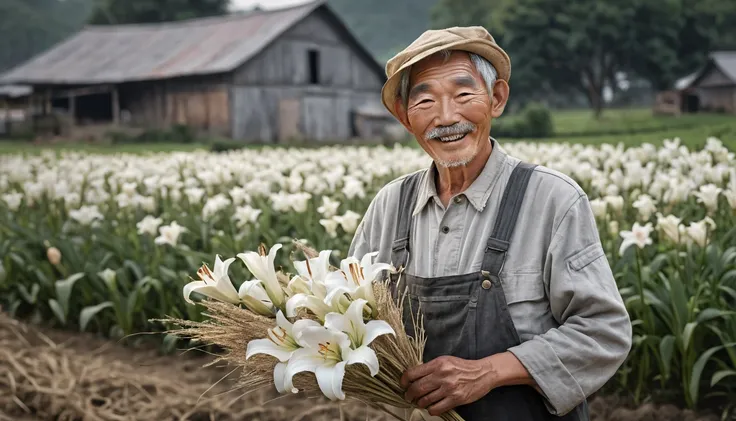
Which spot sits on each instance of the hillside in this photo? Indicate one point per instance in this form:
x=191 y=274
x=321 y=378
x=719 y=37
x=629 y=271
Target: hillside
x=385 y=26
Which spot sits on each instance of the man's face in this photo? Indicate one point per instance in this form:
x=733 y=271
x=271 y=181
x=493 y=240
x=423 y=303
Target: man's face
x=449 y=110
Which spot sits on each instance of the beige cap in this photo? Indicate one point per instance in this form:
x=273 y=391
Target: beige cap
x=474 y=39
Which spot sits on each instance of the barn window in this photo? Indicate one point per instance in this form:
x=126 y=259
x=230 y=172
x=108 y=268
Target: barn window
x=314 y=67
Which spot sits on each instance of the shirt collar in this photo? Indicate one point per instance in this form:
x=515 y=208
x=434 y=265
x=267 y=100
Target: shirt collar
x=478 y=192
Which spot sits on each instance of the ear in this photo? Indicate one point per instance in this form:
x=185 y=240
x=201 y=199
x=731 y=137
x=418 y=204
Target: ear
x=500 y=98
x=401 y=114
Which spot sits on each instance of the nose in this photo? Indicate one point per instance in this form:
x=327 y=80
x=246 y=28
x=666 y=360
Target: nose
x=448 y=113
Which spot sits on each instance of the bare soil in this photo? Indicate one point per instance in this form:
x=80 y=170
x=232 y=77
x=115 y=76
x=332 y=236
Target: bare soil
x=56 y=375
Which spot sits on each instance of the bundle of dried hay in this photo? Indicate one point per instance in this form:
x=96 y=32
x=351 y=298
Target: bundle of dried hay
x=232 y=327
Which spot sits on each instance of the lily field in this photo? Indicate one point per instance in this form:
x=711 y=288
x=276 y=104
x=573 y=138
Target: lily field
x=104 y=243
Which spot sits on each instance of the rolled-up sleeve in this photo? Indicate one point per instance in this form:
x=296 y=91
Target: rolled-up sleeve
x=575 y=359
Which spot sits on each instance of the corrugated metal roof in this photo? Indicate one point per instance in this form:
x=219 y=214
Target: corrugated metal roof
x=123 y=53
x=726 y=61
x=15 y=91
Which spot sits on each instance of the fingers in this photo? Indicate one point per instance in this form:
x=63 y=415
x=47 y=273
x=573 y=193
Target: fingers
x=439 y=408
x=431 y=398
x=421 y=387
x=413 y=374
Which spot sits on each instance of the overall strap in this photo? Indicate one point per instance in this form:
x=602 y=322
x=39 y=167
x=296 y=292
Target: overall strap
x=407 y=201
x=508 y=212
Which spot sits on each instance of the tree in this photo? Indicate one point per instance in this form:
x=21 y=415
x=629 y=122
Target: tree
x=113 y=12
x=28 y=27
x=560 y=44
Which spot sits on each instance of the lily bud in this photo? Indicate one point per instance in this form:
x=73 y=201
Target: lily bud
x=54 y=255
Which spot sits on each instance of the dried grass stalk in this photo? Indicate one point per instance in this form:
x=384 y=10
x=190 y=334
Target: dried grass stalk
x=232 y=327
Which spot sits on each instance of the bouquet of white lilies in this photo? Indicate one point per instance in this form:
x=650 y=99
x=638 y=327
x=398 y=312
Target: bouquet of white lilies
x=338 y=331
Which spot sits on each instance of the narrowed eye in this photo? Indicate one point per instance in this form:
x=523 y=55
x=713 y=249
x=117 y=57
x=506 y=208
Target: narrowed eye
x=465 y=94
x=424 y=101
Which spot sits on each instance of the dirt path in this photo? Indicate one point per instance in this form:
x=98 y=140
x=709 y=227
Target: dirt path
x=53 y=375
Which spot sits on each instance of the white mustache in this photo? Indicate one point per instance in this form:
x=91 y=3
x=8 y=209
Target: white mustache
x=458 y=128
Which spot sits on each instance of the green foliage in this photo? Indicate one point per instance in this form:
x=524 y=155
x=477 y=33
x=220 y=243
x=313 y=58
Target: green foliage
x=534 y=121
x=113 y=12
x=385 y=27
x=30 y=27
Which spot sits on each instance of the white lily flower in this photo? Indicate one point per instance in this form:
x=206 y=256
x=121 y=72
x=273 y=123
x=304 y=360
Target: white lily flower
x=361 y=334
x=639 y=236
x=327 y=351
x=355 y=278
x=670 y=226
x=698 y=232
x=262 y=268
x=646 y=206
x=281 y=345
x=708 y=196
x=216 y=284
x=599 y=208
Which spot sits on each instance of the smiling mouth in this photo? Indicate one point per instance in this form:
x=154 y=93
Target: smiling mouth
x=452 y=138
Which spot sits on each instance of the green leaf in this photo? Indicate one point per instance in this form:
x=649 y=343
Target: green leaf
x=720 y=375
x=31 y=296
x=729 y=276
x=58 y=311
x=659 y=262
x=697 y=371
x=728 y=290
x=687 y=334
x=134 y=268
x=169 y=343
x=64 y=290
x=666 y=349
x=679 y=300
x=712 y=313
x=89 y=312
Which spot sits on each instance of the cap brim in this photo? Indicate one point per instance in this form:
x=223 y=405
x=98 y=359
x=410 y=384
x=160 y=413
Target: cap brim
x=497 y=57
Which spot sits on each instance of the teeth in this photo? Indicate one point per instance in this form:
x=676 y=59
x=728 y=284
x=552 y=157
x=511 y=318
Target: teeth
x=451 y=138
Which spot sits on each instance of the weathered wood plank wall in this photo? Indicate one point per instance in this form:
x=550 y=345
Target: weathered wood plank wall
x=202 y=104
x=280 y=76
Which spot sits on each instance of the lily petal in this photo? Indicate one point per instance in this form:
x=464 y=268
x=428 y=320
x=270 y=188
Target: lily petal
x=280 y=380
x=209 y=290
x=330 y=379
x=374 y=329
x=363 y=355
x=266 y=346
x=335 y=292
x=314 y=304
x=374 y=270
x=221 y=276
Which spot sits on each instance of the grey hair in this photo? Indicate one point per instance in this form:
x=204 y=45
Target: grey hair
x=484 y=67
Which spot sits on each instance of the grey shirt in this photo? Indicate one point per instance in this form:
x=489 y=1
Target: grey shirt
x=561 y=293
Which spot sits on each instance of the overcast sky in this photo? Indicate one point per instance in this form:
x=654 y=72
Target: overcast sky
x=266 y=4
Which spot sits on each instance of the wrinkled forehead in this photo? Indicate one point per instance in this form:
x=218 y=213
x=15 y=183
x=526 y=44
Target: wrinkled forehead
x=450 y=66
x=456 y=64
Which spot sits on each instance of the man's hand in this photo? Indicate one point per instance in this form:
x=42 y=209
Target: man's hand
x=448 y=382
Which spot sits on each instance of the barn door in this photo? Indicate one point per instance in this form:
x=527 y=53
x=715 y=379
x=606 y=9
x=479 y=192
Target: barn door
x=289 y=113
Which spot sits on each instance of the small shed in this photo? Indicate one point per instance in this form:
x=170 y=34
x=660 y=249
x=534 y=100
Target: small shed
x=264 y=76
x=13 y=106
x=712 y=88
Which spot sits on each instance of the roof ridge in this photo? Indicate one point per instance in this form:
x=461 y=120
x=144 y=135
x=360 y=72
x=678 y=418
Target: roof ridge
x=200 y=21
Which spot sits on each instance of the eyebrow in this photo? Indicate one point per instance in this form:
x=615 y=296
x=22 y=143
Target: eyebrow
x=418 y=89
x=465 y=81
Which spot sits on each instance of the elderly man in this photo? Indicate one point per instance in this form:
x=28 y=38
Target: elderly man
x=522 y=314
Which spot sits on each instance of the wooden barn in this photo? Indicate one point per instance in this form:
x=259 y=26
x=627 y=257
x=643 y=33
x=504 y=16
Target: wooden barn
x=262 y=76
x=711 y=89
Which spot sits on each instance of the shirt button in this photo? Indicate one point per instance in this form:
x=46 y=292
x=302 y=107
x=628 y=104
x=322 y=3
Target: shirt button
x=486 y=284
x=458 y=199
x=445 y=229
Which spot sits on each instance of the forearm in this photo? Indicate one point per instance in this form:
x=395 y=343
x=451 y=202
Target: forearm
x=505 y=369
